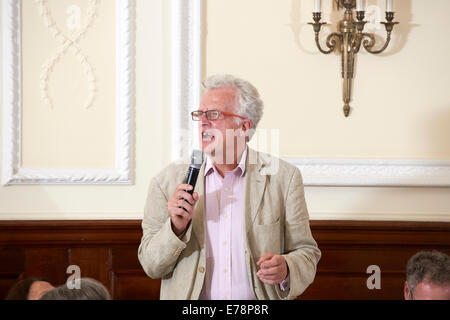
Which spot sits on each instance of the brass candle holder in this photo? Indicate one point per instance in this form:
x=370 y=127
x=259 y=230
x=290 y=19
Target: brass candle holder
x=348 y=41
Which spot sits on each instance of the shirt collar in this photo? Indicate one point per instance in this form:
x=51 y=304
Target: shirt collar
x=209 y=166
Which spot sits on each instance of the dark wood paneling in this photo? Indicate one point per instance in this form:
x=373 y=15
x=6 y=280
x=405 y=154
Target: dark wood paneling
x=338 y=286
x=125 y=258
x=49 y=263
x=107 y=251
x=132 y=285
x=93 y=262
x=12 y=260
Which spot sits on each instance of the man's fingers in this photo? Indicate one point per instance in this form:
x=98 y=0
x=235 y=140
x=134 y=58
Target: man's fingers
x=272 y=262
x=184 y=186
x=268 y=255
x=180 y=207
x=176 y=210
x=271 y=271
x=275 y=277
x=180 y=213
x=269 y=281
x=185 y=196
x=184 y=204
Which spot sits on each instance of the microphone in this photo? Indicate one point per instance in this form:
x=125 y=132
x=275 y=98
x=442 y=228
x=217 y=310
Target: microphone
x=194 y=169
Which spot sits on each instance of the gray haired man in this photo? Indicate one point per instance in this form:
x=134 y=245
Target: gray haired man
x=243 y=234
x=428 y=276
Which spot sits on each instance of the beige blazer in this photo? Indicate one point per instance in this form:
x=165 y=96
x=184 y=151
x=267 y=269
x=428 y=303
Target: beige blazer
x=276 y=220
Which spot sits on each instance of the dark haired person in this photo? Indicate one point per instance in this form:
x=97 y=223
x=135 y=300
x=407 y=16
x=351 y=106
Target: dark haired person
x=29 y=289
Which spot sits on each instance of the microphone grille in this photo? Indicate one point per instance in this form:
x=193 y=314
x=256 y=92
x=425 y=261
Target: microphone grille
x=197 y=159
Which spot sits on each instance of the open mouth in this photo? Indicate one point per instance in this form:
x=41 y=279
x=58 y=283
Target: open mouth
x=207 y=137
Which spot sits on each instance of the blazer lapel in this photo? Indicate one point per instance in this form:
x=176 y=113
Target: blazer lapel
x=198 y=217
x=255 y=185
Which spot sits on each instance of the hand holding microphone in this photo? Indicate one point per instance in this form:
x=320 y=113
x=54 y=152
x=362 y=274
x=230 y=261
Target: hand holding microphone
x=182 y=202
x=181 y=206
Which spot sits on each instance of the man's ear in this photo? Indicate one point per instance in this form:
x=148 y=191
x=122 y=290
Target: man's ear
x=246 y=126
x=406 y=292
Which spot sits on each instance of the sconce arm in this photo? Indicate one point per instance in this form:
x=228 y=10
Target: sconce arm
x=369 y=42
x=332 y=41
x=389 y=25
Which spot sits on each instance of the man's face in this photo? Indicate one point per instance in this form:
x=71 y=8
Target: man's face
x=213 y=133
x=428 y=291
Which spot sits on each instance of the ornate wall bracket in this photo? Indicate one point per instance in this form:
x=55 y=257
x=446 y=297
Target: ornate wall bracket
x=348 y=42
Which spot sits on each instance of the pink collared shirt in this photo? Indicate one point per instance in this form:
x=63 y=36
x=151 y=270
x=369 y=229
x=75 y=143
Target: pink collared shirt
x=226 y=274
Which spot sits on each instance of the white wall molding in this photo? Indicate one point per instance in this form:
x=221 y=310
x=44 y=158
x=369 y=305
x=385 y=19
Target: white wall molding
x=373 y=172
x=13 y=173
x=380 y=216
x=186 y=72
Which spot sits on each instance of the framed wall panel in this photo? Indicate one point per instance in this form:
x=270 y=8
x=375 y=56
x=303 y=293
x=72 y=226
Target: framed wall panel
x=68 y=92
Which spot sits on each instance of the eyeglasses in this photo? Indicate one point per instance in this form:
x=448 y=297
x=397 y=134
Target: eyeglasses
x=212 y=115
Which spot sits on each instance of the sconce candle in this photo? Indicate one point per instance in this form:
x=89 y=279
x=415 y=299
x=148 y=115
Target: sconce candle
x=316 y=6
x=389 y=6
x=359 y=5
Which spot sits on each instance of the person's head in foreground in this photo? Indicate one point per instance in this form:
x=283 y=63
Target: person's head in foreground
x=89 y=289
x=428 y=276
x=29 y=289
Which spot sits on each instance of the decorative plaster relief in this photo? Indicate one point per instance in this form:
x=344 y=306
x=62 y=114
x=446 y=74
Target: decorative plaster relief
x=67 y=42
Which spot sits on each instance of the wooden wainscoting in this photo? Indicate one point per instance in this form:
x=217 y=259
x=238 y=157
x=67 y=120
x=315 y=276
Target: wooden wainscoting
x=107 y=251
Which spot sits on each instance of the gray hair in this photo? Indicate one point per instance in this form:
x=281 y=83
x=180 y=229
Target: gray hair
x=90 y=289
x=250 y=103
x=432 y=266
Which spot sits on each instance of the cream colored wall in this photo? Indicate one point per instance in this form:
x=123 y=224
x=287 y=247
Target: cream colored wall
x=401 y=105
x=152 y=129
x=400 y=100
x=401 y=108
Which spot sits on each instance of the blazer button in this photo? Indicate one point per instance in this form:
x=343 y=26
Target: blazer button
x=201 y=269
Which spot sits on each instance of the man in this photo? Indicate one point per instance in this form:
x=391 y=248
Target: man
x=428 y=276
x=243 y=234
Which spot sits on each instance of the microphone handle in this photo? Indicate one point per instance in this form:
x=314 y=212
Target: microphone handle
x=192 y=178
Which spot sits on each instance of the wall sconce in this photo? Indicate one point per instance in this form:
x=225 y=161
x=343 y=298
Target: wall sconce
x=349 y=38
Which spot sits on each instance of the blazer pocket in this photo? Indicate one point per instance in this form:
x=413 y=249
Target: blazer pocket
x=267 y=238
